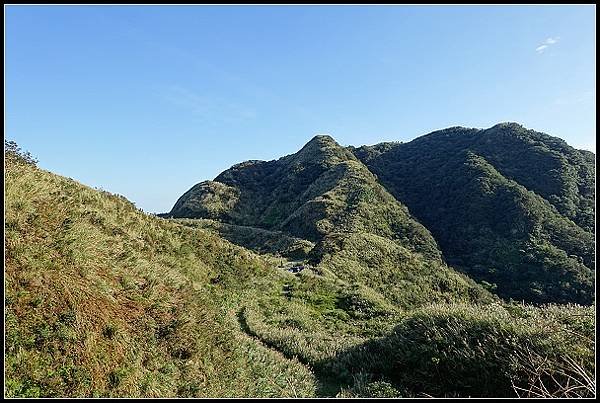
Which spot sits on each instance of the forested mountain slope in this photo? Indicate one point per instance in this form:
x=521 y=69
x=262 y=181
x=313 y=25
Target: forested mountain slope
x=507 y=205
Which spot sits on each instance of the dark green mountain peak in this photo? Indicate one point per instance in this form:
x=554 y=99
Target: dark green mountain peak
x=321 y=139
x=320 y=150
x=508 y=126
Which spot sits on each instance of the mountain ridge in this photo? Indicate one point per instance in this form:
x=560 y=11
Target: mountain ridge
x=294 y=194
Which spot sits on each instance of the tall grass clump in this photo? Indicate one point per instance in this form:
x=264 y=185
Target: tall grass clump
x=494 y=351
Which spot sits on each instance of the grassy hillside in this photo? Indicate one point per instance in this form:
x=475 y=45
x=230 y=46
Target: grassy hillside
x=256 y=239
x=105 y=300
x=541 y=163
x=510 y=207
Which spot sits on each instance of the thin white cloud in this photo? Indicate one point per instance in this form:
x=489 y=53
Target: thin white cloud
x=546 y=44
x=209 y=108
x=185 y=98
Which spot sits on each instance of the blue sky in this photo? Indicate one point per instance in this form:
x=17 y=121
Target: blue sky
x=147 y=101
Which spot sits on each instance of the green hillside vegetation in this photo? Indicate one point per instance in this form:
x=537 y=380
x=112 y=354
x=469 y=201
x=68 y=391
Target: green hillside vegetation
x=263 y=194
x=508 y=206
x=451 y=350
x=406 y=279
x=543 y=164
x=105 y=300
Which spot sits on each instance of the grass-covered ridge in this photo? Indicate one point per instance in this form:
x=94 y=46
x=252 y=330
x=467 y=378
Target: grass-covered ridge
x=446 y=350
x=319 y=190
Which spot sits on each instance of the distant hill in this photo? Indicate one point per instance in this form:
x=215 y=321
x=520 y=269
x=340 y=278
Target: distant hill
x=510 y=207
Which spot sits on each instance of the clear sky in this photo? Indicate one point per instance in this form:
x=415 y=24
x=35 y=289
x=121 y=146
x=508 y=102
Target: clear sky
x=147 y=101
